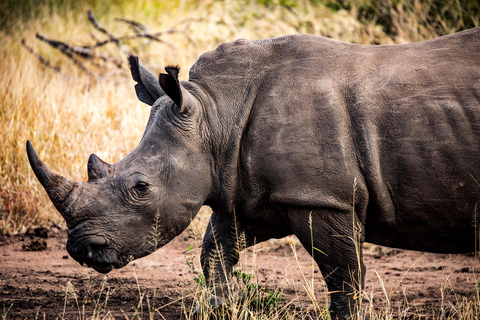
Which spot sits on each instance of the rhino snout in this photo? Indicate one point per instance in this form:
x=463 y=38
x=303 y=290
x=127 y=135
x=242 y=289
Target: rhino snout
x=94 y=252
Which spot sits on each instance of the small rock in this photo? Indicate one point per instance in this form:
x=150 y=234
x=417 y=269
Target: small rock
x=35 y=245
x=41 y=232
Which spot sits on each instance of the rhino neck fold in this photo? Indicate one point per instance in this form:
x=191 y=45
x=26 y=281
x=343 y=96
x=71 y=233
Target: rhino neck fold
x=227 y=146
x=229 y=92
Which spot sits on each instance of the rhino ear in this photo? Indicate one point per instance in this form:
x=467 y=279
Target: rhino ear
x=171 y=86
x=97 y=168
x=148 y=89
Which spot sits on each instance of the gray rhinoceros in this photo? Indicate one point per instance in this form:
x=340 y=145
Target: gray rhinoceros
x=384 y=140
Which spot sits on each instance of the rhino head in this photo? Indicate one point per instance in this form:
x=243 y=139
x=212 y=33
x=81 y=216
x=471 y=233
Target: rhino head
x=131 y=208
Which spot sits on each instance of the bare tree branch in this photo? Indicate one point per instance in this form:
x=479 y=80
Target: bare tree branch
x=92 y=19
x=136 y=26
x=42 y=60
x=69 y=51
x=87 y=55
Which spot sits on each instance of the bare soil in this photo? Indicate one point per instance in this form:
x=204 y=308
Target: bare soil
x=48 y=284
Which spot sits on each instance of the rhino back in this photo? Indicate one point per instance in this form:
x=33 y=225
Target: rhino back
x=403 y=121
x=417 y=131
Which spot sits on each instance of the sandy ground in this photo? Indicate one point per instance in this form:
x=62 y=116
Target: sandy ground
x=48 y=284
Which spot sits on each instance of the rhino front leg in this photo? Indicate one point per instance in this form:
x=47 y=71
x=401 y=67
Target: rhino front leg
x=329 y=238
x=220 y=252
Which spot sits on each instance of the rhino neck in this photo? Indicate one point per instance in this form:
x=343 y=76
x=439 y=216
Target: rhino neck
x=227 y=125
x=230 y=78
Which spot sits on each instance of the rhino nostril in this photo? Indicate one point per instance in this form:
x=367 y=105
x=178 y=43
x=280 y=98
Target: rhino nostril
x=93 y=248
x=91 y=253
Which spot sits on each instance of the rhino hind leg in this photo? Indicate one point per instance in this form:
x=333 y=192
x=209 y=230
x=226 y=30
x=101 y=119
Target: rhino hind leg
x=328 y=238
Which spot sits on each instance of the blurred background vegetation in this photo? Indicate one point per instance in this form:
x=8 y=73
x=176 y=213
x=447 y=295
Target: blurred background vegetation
x=80 y=105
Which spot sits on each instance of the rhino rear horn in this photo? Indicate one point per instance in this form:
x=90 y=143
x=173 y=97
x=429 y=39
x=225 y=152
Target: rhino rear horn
x=58 y=188
x=97 y=168
x=147 y=88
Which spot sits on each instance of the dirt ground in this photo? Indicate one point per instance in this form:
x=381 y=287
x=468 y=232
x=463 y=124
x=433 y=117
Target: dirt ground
x=48 y=284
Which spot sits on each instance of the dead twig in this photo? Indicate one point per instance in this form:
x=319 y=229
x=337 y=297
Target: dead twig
x=84 y=52
x=42 y=60
x=69 y=51
x=85 y=57
x=154 y=37
x=92 y=19
x=136 y=26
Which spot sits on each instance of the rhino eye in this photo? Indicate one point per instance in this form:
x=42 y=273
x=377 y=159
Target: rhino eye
x=141 y=186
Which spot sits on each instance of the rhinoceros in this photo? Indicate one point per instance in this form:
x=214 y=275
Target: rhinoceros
x=336 y=143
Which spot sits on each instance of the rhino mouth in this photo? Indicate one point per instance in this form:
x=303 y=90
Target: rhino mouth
x=102 y=259
x=102 y=268
x=100 y=264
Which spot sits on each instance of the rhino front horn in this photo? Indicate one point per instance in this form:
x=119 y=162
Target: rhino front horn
x=58 y=188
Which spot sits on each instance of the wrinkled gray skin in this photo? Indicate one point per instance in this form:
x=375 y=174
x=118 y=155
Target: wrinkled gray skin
x=276 y=130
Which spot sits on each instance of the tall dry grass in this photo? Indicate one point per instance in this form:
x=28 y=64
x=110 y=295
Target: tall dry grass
x=68 y=118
